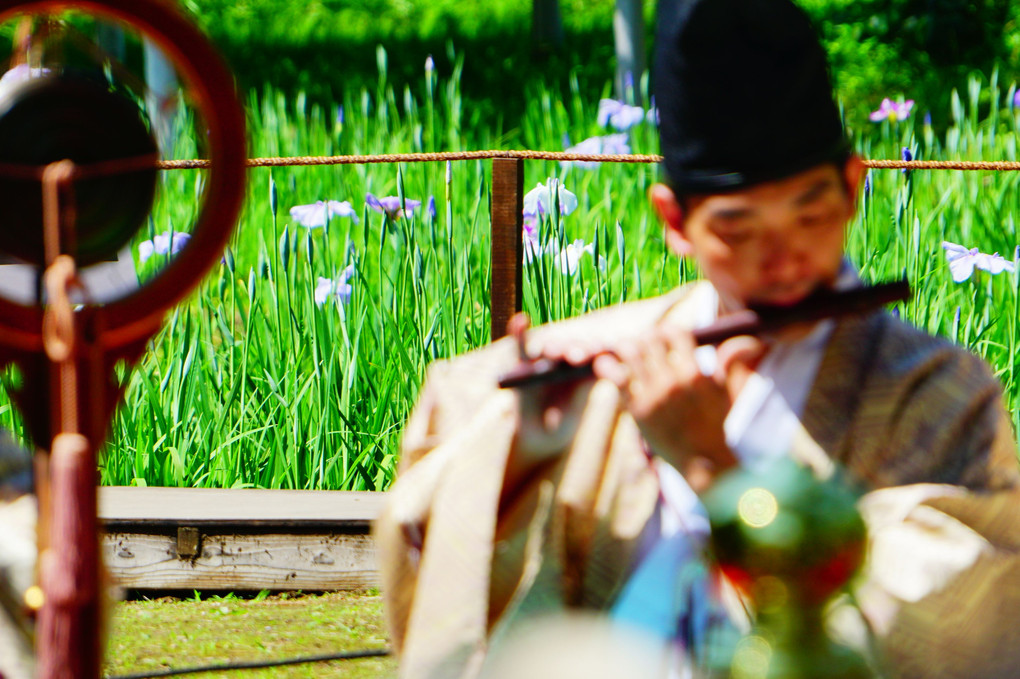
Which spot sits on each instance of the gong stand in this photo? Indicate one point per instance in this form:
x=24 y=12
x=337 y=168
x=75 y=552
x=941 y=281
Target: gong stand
x=78 y=180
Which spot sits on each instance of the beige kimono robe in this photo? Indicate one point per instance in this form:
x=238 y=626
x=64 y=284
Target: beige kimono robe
x=891 y=404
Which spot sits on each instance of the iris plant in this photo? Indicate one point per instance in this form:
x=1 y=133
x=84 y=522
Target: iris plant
x=963 y=261
x=338 y=289
x=390 y=205
x=315 y=215
x=569 y=258
x=619 y=115
x=538 y=200
x=892 y=111
x=653 y=113
x=532 y=246
x=167 y=243
x=610 y=144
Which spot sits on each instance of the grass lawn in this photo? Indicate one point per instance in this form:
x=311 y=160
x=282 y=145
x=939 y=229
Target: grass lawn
x=154 y=635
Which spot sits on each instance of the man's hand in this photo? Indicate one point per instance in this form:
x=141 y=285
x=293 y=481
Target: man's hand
x=680 y=410
x=548 y=414
x=548 y=411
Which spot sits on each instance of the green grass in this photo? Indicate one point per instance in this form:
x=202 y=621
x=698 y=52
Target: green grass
x=252 y=384
x=154 y=635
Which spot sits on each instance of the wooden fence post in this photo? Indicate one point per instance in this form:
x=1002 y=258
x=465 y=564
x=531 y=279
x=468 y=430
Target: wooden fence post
x=507 y=244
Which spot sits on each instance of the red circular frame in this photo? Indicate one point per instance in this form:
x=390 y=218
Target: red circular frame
x=136 y=316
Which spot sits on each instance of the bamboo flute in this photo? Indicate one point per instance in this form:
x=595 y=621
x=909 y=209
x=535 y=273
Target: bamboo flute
x=757 y=320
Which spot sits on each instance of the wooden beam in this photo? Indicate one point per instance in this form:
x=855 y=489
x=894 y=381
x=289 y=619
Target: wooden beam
x=312 y=562
x=123 y=508
x=240 y=539
x=505 y=297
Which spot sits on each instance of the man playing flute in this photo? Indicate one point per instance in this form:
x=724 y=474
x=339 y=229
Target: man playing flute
x=517 y=502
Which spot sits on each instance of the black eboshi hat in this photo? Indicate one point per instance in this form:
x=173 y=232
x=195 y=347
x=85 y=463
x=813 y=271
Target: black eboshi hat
x=743 y=92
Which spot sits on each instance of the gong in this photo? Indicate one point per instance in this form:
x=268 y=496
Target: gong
x=66 y=112
x=79 y=178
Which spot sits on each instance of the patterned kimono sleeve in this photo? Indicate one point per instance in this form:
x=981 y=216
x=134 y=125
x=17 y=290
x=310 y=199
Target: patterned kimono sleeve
x=948 y=425
x=942 y=582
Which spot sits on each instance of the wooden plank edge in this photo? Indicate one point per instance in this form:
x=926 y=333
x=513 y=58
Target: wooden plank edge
x=133 y=525
x=311 y=562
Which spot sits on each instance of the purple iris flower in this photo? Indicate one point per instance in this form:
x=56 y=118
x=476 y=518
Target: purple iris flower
x=963 y=261
x=167 y=243
x=653 y=113
x=907 y=156
x=618 y=114
x=610 y=144
x=532 y=247
x=615 y=144
x=569 y=257
x=1016 y=99
x=339 y=290
x=390 y=205
x=539 y=199
x=590 y=146
x=430 y=207
x=315 y=215
x=892 y=111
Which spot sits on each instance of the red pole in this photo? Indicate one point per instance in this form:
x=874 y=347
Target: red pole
x=69 y=622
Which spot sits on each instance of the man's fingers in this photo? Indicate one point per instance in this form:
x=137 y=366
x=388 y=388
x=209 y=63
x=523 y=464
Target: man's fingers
x=680 y=347
x=517 y=327
x=609 y=367
x=745 y=349
x=737 y=358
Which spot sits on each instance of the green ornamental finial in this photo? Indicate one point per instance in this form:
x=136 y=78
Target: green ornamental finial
x=788 y=541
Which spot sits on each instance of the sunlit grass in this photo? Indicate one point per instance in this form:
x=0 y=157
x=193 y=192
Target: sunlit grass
x=253 y=384
x=154 y=635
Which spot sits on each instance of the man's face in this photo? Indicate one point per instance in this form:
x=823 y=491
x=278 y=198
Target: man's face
x=772 y=243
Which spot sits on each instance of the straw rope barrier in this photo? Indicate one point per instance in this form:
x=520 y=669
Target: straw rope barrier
x=997 y=166
x=508 y=188
x=419 y=158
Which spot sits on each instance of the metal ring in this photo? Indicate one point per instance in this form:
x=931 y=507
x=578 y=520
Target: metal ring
x=133 y=318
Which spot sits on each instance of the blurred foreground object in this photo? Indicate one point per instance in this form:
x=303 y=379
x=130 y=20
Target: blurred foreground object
x=17 y=557
x=574 y=646
x=79 y=172
x=789 y=542
x=15 y=468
